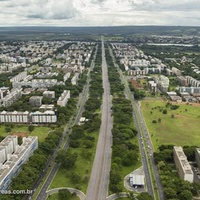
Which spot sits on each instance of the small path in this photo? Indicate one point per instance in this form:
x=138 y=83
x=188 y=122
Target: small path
x=79 y=193
x=116 y=196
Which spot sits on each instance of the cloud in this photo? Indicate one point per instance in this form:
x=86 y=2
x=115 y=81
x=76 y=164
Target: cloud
x=99 y=12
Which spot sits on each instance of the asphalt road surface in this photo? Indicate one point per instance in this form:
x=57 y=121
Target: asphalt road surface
x=144 y=139
x=82 y=99
x=99 y=179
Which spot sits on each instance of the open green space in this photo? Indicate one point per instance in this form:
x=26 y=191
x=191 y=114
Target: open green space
x=40 y=131
x=82 y=168
x=55 y=197
x=178 y=127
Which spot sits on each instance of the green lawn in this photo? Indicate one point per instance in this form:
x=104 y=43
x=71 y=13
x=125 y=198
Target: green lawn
x=55 y=197
x=83 y=169
x=180 y=129
x=39 y=131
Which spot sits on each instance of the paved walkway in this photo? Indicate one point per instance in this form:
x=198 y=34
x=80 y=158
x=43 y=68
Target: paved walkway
x=80 y=194
x=116 y=196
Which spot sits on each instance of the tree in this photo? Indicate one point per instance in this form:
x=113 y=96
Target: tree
x=30 y=128
x=165 y=112
x=144 y=196
x=64 y=194
x=7 y=129
x=170 y=193
x=185 y=195
x=66 y=158
x=75 y=178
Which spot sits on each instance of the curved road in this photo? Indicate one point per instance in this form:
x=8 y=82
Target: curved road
x=80 y=194
x=99 y=179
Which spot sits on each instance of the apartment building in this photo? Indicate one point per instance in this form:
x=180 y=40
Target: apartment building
x=191 y=90
x=192 y=81
x=63 y=99
x=11 y=97
x=14 y=156
x=163 y=83
x=26 y=117
x=182 y=80
x=43 y=117
x=49 y=94
x=19 y=77
x=182 y=165
x=197 y=157
x=66 y=76
x=35 y=101
x=176 y=71
x=74 y=79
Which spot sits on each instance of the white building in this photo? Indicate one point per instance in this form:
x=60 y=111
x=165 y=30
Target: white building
x=11 y=97
x=16 y=159
x=63 y=99
x=43 y=117
x=163 y=83
x=19 y=77
x=14 y=117
x=74 y=79
x=26 y=117
x=49 y=94
x=66 y=76
x=191 y=90
x=197 y=157
x=182 y=165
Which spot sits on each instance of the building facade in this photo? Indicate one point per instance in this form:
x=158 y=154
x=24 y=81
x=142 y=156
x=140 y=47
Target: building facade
x=16 y=157
x=182 y=165
x=63 y=99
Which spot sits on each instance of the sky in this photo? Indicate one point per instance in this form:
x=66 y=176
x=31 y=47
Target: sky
x=99 y=12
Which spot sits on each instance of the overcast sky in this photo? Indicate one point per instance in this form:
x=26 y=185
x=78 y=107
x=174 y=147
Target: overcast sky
x=99 y=12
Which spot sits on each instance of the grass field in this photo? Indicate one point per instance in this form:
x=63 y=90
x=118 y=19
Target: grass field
x=177 y=127
x=39 y=131
x=55 y=197
x=83 y=169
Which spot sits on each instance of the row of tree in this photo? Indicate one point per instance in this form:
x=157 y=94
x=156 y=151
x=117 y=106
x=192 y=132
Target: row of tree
x=124 y=152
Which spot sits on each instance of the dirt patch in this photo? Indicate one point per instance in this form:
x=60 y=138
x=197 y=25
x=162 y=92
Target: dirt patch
x=136 y=85
x=20 y=134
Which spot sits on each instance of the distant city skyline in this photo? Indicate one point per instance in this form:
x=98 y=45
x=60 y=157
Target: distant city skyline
x=99 y=12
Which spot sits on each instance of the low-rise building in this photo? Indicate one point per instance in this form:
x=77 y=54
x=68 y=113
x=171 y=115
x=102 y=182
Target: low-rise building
x=182 y=165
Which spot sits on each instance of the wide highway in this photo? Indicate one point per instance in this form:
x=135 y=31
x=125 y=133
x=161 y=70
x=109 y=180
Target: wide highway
x=99 y=179
x=145 y=144
x=80 y=107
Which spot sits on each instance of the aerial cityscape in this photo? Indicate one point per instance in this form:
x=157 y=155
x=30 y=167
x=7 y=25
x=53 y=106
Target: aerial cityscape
x=99 y=100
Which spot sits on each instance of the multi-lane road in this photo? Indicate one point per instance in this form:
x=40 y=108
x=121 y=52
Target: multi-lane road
x=146 y=147
x=99 y=179
x=80 y=107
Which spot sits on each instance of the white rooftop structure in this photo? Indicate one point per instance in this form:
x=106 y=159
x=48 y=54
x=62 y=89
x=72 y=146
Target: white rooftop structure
x=183 y=167
x=136 y=180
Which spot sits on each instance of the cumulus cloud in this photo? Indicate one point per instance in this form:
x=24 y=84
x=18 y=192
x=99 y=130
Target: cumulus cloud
x=99 y=12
